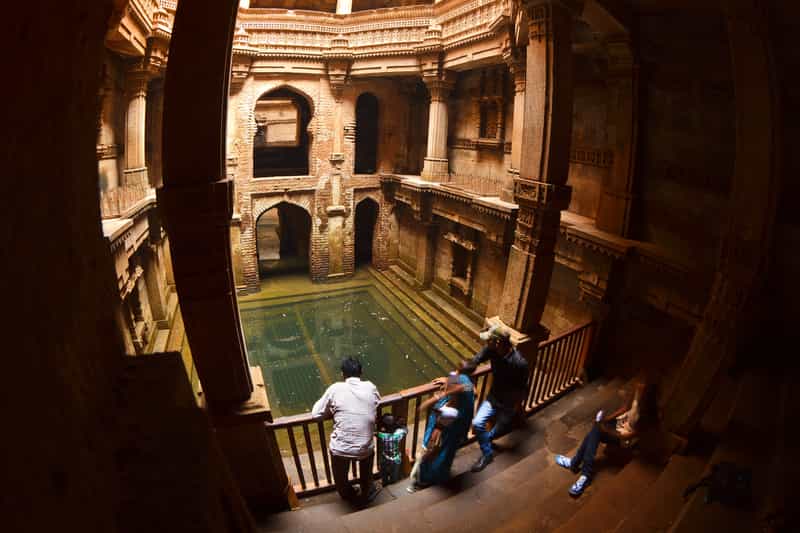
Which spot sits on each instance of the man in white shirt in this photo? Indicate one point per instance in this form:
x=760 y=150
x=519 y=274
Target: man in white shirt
x=353 y=404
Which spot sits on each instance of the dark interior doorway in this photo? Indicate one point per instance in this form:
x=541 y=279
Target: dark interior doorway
x=366 y=134
x=281 y=142
x=366 y=218
x=283 y=234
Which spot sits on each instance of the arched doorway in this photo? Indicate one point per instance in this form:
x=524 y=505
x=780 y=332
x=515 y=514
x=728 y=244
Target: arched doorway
x=366 y=219
x=366 y=134
x=281 y=142
x=283 y=233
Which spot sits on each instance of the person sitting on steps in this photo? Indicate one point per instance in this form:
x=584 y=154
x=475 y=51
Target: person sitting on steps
x=618 y=428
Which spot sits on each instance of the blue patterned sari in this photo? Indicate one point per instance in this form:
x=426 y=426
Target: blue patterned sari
x=437 y=469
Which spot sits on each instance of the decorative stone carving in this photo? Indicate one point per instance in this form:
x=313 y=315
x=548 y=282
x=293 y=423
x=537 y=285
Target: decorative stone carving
x=542 y=195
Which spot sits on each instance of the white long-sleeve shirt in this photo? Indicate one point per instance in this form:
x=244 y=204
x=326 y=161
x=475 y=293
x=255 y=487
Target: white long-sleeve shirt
x=353 y=404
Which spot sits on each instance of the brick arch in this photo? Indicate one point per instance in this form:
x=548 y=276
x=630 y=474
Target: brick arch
x=361 y=196
x=262 y=205
x=288 y=87
x=381 y=236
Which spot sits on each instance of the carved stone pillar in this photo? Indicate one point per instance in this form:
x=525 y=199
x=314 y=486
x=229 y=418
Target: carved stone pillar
x=728 y=317
x=135 y=172
x=197 y=204
x=436 y=167
x=515 y=59
x=541 y=189
x=614 y=211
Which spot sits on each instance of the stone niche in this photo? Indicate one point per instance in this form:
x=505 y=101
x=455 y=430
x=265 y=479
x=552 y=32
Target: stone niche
x=463 y=252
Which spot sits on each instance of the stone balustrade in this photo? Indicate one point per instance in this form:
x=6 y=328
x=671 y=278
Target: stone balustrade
x=380 y=32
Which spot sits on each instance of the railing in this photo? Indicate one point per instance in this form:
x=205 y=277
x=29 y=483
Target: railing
x=556 y=369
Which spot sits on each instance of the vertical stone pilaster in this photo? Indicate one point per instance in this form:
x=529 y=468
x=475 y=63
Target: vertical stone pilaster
x=616 y=198
x=426 y=253
x=541 y=189
x=515 y=59
x=154 y=284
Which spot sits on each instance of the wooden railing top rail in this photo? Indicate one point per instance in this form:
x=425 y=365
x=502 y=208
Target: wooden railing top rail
x=386 y=401
x=413 y=392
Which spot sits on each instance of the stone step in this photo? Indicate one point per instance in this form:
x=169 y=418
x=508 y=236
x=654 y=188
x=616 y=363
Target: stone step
x=656 y=510
x=523 y=452
x=614 y=499
x=748 y=441
x=455 y=320
x=443 y=324
x=468 y=320
x=403 y=511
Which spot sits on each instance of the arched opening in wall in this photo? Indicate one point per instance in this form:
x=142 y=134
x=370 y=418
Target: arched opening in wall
x=281 y=143
x=366 y=134
x=283 y=234
x=366 y=219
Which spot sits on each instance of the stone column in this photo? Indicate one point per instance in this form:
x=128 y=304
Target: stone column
x=436 y=166
x=614 y=210
x=135 y=173
x=540 y=191
x=515 y=59
x=197 y=204
x=344 y=7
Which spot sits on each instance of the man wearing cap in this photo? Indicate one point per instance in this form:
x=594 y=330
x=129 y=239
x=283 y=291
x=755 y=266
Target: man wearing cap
x=509 y=385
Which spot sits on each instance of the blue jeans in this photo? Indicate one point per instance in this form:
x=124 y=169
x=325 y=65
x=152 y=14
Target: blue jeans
x=584 y=457
x=487 y=411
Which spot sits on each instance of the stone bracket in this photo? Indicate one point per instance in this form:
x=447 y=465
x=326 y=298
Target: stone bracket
x=542 y=195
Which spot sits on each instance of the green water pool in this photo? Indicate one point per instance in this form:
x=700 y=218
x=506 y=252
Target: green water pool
x=299 y=344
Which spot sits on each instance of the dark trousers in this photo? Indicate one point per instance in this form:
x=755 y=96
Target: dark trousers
x=584 y=457
x=341 y=465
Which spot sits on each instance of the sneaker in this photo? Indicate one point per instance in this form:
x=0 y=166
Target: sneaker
x=481 y=463
x=578 y=487
x=562 y=460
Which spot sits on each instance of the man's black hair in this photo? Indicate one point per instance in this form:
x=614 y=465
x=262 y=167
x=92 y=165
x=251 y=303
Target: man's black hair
x=351 y=368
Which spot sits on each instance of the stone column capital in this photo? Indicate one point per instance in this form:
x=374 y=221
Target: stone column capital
x=540 y=16
x=440 y=86
x=337 y=62
x=136 y=80
x=515 y=60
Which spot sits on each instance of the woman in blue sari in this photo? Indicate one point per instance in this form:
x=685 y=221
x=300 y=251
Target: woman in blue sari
x=459 y=394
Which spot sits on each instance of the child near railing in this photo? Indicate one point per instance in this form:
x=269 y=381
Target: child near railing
x=391 y=432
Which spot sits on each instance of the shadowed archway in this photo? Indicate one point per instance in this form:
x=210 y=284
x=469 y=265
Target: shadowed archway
x=365 y=222
x=283 y=233
x=366 y=161
x=281 y=142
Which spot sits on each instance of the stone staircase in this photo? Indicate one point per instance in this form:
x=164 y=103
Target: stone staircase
x=458 y=330
x=633 y=491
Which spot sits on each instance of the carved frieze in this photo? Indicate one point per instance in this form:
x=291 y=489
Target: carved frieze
x=596 y=157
